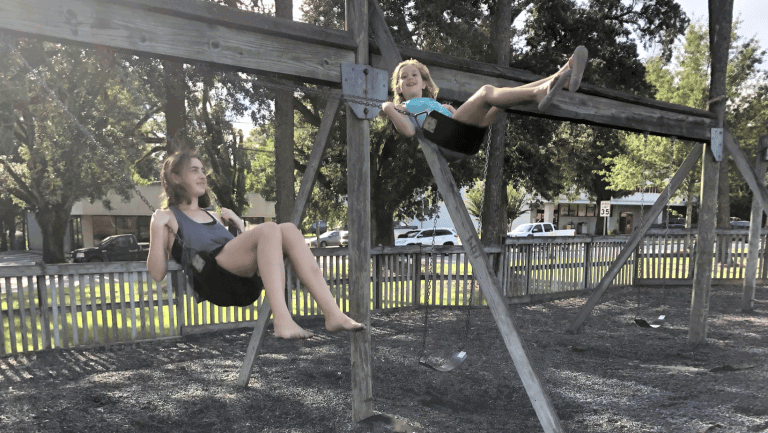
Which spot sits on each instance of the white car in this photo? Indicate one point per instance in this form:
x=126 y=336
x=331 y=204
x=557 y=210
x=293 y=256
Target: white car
x=441 y=236
x=539 y=229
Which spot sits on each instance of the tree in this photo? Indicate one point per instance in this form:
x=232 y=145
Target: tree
x=9 y=212
x=609 y=28
x=684 y=79
x=73 y=126
x=517 y=203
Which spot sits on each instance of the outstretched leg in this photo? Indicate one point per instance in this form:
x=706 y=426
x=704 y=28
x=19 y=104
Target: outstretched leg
x=261 y=248
x=480 y=109
x=309 y=273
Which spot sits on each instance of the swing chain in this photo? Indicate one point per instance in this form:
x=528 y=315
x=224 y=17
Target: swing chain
x=666 y=225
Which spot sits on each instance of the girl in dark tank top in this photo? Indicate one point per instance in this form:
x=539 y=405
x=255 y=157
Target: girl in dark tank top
x=258 y=251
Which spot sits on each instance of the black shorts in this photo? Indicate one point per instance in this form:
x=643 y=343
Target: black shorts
x=221 y=287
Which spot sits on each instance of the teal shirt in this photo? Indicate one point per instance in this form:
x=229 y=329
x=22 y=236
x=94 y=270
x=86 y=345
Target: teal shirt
x=420 y=107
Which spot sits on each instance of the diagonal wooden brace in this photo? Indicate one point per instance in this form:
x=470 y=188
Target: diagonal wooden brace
x=307 y=183
x=491 y=288
x=637 y=236
x=755 y=184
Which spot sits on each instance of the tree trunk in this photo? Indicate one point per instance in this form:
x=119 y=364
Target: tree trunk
x=175 y=104
x=495 y=195
x=284 y=139
x=53 y=222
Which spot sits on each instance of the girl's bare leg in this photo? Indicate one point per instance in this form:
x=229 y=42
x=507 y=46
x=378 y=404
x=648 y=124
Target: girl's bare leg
x=477 y=108
x=261 y=248
x=310 y=274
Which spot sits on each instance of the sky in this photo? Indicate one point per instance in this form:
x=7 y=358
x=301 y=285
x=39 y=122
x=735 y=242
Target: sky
x=753 y=14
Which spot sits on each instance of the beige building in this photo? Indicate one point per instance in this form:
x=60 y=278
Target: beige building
x=92 y=222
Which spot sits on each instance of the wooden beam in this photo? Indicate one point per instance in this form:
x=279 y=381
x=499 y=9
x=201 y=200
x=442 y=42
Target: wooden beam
x=359 y=220
x=600 y=109
x=706 y=238
x=756 y=220
x=191 y=36
x=491 y=288
x=637 y=236
x=198 y=31
x=488 y=70
x=220 y=15
x=307 y=183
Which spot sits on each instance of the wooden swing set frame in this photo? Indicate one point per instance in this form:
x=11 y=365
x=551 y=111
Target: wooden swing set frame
x=197 y=31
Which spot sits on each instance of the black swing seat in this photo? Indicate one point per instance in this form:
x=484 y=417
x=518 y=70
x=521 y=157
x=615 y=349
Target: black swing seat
x=454 y=361
x=455 y=139
x=656 y=323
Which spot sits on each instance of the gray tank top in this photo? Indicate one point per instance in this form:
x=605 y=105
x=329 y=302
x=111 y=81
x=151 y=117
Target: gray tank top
x=201 y=236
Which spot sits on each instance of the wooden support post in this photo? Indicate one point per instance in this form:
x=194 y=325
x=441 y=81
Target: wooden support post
x=756 y=222
x=702 y=273
x=636 y=237
x=307 y=183
x=359 y=220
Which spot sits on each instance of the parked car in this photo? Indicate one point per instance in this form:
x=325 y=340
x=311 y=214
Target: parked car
x=333 y=238
x=119 y=248
x=401 y=228
x=539 y=229
x=739 y=224
x=441 y=236
x=313 y=228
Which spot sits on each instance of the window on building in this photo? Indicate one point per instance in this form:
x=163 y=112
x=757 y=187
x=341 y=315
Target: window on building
x=125 y=225
x=76 y=231
x=143 y=225
x=103 y=226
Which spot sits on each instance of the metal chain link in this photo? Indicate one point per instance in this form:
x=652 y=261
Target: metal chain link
x=666 y=225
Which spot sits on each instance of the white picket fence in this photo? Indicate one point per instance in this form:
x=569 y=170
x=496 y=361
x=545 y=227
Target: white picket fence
x=69 y=305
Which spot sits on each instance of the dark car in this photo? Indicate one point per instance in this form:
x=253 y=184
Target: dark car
x=739 y=224
x=119 y=248
x=313 y=228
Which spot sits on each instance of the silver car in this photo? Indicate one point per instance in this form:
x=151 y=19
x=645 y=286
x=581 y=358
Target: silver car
x=332 y=238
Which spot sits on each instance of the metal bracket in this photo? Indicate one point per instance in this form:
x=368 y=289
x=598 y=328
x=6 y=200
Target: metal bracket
x=716 y=140
x=366 y=84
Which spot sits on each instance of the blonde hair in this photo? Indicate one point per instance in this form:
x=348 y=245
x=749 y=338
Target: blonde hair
x=431 y=89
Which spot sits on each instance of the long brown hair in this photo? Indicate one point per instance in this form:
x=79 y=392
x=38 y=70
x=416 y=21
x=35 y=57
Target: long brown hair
x=431 y=89
x=174 y=193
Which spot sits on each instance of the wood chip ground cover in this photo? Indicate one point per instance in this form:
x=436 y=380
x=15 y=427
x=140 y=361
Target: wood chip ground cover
x=614 y=376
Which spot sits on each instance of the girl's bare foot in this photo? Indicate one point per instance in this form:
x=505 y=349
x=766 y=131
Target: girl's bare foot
x=342 y=322
x=292 y=331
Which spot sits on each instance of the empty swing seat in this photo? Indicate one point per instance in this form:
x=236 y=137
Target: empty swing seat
x=454 y=138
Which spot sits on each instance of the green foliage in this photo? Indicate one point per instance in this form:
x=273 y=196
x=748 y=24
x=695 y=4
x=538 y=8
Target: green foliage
x=544 y=157
x=73 y=118
x=684 y=79
x=517 y=202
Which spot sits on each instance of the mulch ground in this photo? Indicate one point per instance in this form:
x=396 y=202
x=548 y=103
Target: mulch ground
x=614 y=376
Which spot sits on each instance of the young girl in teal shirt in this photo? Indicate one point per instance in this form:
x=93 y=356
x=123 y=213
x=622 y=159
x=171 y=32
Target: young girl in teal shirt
x=415 y=93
